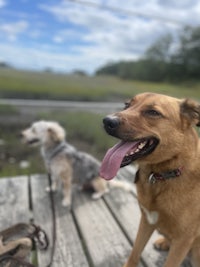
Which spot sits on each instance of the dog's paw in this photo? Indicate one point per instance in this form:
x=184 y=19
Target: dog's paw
x=53 y=189
x=66 y=203
x=162 y=244
x=98 y=195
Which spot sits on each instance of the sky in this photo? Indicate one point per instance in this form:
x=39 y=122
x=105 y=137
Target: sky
x=68 y=35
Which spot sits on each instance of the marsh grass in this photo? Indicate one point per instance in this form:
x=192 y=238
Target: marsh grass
x=12 y=152
x=38 y=85
x=8 y=110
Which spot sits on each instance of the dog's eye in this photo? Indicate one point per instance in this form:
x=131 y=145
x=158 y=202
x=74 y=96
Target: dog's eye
x=152 y=113
x=126 y=104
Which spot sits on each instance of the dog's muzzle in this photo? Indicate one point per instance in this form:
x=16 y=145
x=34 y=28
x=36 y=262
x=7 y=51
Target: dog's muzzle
x=111 y=124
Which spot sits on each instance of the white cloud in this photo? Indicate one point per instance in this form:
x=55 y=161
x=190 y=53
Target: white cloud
x=103 y=31
x=178 y=4
x=112 y=36
x=64 y=35
x=181 y=11
x=12 y=30
x=41 y=58
x=109 y=35
x=35 y=34
x=2 y=3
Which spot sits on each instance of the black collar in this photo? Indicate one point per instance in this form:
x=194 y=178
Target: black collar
x=163 y=176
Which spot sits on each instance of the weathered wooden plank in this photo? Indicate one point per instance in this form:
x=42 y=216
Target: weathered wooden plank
x=106 y=244
x=14 y=201
x=128 y=174
x=126 y=210
x=69 y=251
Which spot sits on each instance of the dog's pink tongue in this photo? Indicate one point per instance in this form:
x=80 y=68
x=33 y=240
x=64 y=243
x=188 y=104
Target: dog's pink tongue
x=113 y=159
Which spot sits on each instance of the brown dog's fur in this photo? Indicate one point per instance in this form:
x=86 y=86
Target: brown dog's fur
x=176 y=201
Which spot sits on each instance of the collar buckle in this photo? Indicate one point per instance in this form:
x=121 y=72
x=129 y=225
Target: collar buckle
x=152 y=178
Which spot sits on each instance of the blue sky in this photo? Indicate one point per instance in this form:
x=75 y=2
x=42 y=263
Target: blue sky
x=67 y=35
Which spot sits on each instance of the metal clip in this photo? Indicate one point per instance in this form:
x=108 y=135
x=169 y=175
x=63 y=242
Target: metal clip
x=152 y=178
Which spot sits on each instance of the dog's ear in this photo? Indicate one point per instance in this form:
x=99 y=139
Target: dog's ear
x=190 y=110
x=56 y=135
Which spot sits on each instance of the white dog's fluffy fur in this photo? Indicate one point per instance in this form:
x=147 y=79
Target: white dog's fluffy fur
x=64 y=162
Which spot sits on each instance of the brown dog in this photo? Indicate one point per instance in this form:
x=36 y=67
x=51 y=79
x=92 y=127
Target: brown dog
x=157 y=132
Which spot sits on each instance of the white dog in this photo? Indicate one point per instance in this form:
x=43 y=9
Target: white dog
x=65 y=163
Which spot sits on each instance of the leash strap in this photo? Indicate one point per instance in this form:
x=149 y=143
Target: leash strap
x=40 y=237
x=53 y=219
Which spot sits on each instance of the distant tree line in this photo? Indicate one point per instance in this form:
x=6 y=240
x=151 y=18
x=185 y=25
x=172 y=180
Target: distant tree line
x=4 y=65
x=165 y=60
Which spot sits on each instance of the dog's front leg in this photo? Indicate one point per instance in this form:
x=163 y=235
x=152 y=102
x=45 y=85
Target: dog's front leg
x=67 y=187
x=179 y=249
x=54 y=183
x=144 y=233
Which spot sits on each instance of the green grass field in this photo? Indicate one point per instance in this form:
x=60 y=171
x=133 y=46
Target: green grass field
x=23 y=84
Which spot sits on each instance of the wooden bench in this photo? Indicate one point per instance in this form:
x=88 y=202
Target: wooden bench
x=94 y=234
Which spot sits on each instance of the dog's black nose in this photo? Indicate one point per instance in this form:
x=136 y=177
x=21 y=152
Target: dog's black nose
x=111 y=124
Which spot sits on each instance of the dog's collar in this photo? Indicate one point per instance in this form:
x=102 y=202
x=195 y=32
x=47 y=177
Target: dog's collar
x=62 y=147
x=163 y=176
x=58 y=149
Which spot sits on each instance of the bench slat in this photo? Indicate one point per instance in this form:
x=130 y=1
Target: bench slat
x=106 y=244
x=14 y=201
x=69 y=251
